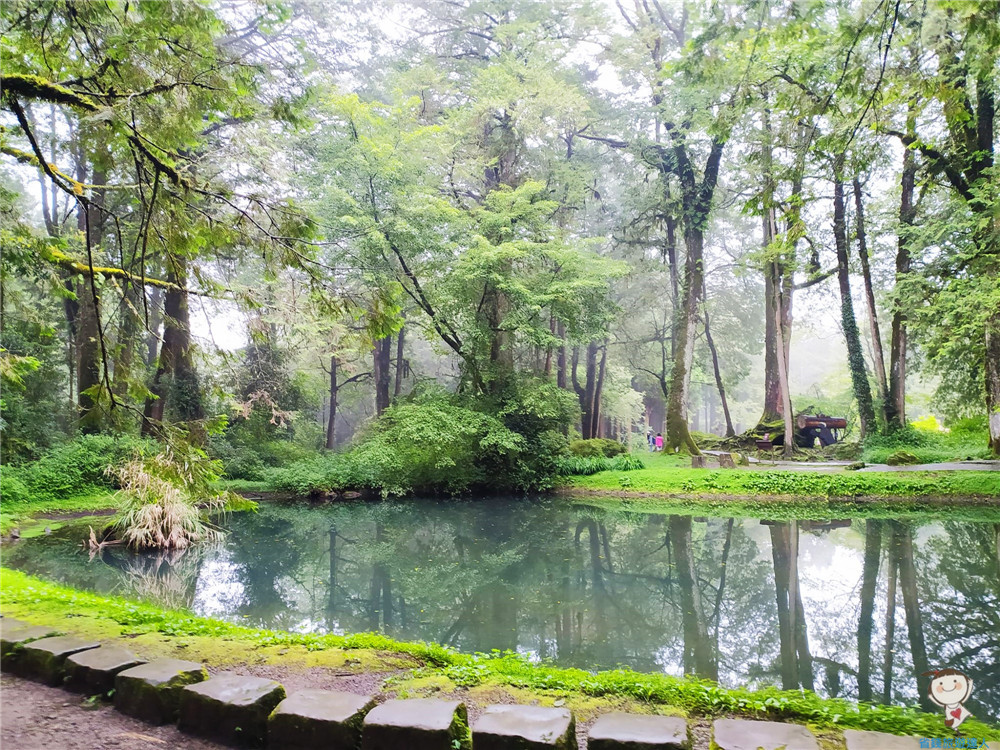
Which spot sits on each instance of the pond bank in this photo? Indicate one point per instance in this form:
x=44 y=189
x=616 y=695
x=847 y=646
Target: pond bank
x=414 y=669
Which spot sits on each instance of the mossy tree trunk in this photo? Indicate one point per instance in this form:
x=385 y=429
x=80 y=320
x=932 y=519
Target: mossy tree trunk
x=696 y=203
x=383 y=363
x=878 y=357
x=896 y=403
x=855 y=355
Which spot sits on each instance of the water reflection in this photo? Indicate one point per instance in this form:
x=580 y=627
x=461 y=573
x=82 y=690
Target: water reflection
x=853 y=609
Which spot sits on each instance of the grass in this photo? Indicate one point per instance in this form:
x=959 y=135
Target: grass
x=929 y=446
x=173 y=632
x=672 y=475
x=28 y=514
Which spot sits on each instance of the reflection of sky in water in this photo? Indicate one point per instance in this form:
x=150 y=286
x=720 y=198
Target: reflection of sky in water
x=219 y=591
x=529 y=577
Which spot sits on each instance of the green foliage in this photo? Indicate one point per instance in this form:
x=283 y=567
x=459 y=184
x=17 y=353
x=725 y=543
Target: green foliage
x=966 y=439
x=73 y=468
x=596 y=447
x=589 y=464
x=668 y=479
x=34 y=599
x=165 y=498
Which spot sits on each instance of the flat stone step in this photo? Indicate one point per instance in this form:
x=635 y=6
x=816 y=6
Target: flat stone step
x=93 y=672
x=12 y=639
x=10 y=622
x=511 y=727
x=417 y=724
x=152 y=692
x=318 y=718
x=858 y=740
x=43 y=659
x=742 y=734
x=621 y=731
x=230 y=708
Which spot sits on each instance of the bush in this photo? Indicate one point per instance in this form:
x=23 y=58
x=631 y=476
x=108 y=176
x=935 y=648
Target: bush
x=596 y=447
x=967 y=438
x=74 y=468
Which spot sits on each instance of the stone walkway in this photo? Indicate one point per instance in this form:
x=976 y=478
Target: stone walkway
x=249 y=711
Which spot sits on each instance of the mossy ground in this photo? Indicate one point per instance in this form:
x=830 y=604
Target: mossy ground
x=427 y=668
x=672 y=475
x=31 y=517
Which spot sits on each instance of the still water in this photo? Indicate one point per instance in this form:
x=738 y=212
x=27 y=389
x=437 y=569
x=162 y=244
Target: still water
x=743 y=600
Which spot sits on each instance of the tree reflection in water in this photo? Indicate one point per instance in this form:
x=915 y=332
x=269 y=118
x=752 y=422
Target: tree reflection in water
x=745 y=601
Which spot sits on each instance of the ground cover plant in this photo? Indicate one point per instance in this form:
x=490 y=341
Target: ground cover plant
x=668 y=475
x=37 y=601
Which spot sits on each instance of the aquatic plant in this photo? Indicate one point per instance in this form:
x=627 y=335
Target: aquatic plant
x=165 y=498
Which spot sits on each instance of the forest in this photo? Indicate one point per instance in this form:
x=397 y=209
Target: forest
x=479 y=350
x=425 y=245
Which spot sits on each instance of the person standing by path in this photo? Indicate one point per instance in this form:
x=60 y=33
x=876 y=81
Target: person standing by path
x=659 y=441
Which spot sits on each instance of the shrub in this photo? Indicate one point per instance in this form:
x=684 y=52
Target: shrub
x=596 y=447
x=163 y=498
x=12 y=487
x=75 y=467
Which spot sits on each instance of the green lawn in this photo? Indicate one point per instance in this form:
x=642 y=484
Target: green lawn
x=672 y=475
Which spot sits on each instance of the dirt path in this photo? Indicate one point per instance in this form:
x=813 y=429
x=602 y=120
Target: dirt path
x=37 y=717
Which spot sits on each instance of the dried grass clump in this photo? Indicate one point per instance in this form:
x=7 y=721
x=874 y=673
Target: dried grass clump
x=154 y=512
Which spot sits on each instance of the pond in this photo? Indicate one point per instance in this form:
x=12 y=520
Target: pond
x=748 y=601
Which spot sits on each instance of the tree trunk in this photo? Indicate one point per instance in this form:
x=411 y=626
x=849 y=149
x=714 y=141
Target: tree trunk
x=855 y=355
x=869 y=580
x=88 y=367
x=678 y=436
x=890 y=624
x=595 y=411
x=903 y=543
x=176 y=380
x=866 y=274
x=331 y=421
x=896 y=403
x=400 y=363
x=697 y=645
x=561 y=357
x=155 y=322
x=780 y=554
x=383 y=359
x=128 y=339
x=778 y=291
x=803 y=656
x=730 y=431
x=993 y=380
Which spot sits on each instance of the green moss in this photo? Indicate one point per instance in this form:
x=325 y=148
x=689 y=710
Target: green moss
x=155 y=631
x=668 y=480
x=30 y=516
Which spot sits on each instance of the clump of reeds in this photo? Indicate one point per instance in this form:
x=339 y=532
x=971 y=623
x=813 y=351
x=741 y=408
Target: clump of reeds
x=159 y=505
